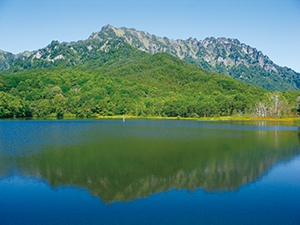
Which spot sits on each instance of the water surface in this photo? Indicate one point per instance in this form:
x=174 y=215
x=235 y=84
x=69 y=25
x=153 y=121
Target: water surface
x=148 y=172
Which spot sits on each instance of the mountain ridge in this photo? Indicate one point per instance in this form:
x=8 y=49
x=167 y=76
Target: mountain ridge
x=221 y=55
x=118 y=79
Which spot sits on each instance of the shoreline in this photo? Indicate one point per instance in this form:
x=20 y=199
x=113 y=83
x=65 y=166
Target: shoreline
x=121 y=117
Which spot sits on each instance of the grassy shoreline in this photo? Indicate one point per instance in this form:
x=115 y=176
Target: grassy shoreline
x=295 y=120
x=285 y=120
x=221 y=118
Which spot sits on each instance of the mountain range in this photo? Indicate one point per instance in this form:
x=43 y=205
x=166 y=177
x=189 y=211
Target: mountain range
x=127 y=72
x=220 y=55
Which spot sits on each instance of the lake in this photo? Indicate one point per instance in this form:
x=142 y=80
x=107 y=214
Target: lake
x=148 y=172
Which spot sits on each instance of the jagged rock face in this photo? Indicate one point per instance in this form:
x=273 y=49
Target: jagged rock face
x=222 y=55
x=6 y=59
x=221 y=50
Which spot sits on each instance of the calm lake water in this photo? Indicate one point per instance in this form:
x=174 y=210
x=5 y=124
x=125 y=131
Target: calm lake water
x=148 y=172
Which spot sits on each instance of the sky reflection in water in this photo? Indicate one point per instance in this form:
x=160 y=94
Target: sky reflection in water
x=146 y=172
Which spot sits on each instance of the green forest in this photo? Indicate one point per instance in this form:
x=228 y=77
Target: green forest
x=126 y=81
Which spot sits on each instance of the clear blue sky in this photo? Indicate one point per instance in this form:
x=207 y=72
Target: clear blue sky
x=271 y=26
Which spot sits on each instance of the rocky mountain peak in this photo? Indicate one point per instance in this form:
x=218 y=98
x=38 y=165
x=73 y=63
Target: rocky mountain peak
x=222 y=55
x=107 y=27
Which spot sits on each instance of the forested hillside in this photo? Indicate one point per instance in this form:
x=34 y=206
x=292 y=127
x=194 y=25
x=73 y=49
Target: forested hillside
x=126 y=81
x=225 y=56
x=221 y=55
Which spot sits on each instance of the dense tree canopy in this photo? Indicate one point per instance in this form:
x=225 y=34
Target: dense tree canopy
x=133 y=83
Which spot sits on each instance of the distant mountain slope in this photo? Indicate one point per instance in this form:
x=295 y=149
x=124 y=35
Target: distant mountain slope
x=221 y=55
x=120 y=79
x=6 y=60
x=67 y=54
x=140 y=85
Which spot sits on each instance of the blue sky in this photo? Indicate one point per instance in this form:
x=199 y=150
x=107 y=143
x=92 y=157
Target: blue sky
x=271 y=26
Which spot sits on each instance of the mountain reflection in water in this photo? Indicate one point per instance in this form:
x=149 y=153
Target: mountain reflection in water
x=124 y=161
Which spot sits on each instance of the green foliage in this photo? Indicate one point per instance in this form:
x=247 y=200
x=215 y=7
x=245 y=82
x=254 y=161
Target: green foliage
x=125 y=81
x=111 y=45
